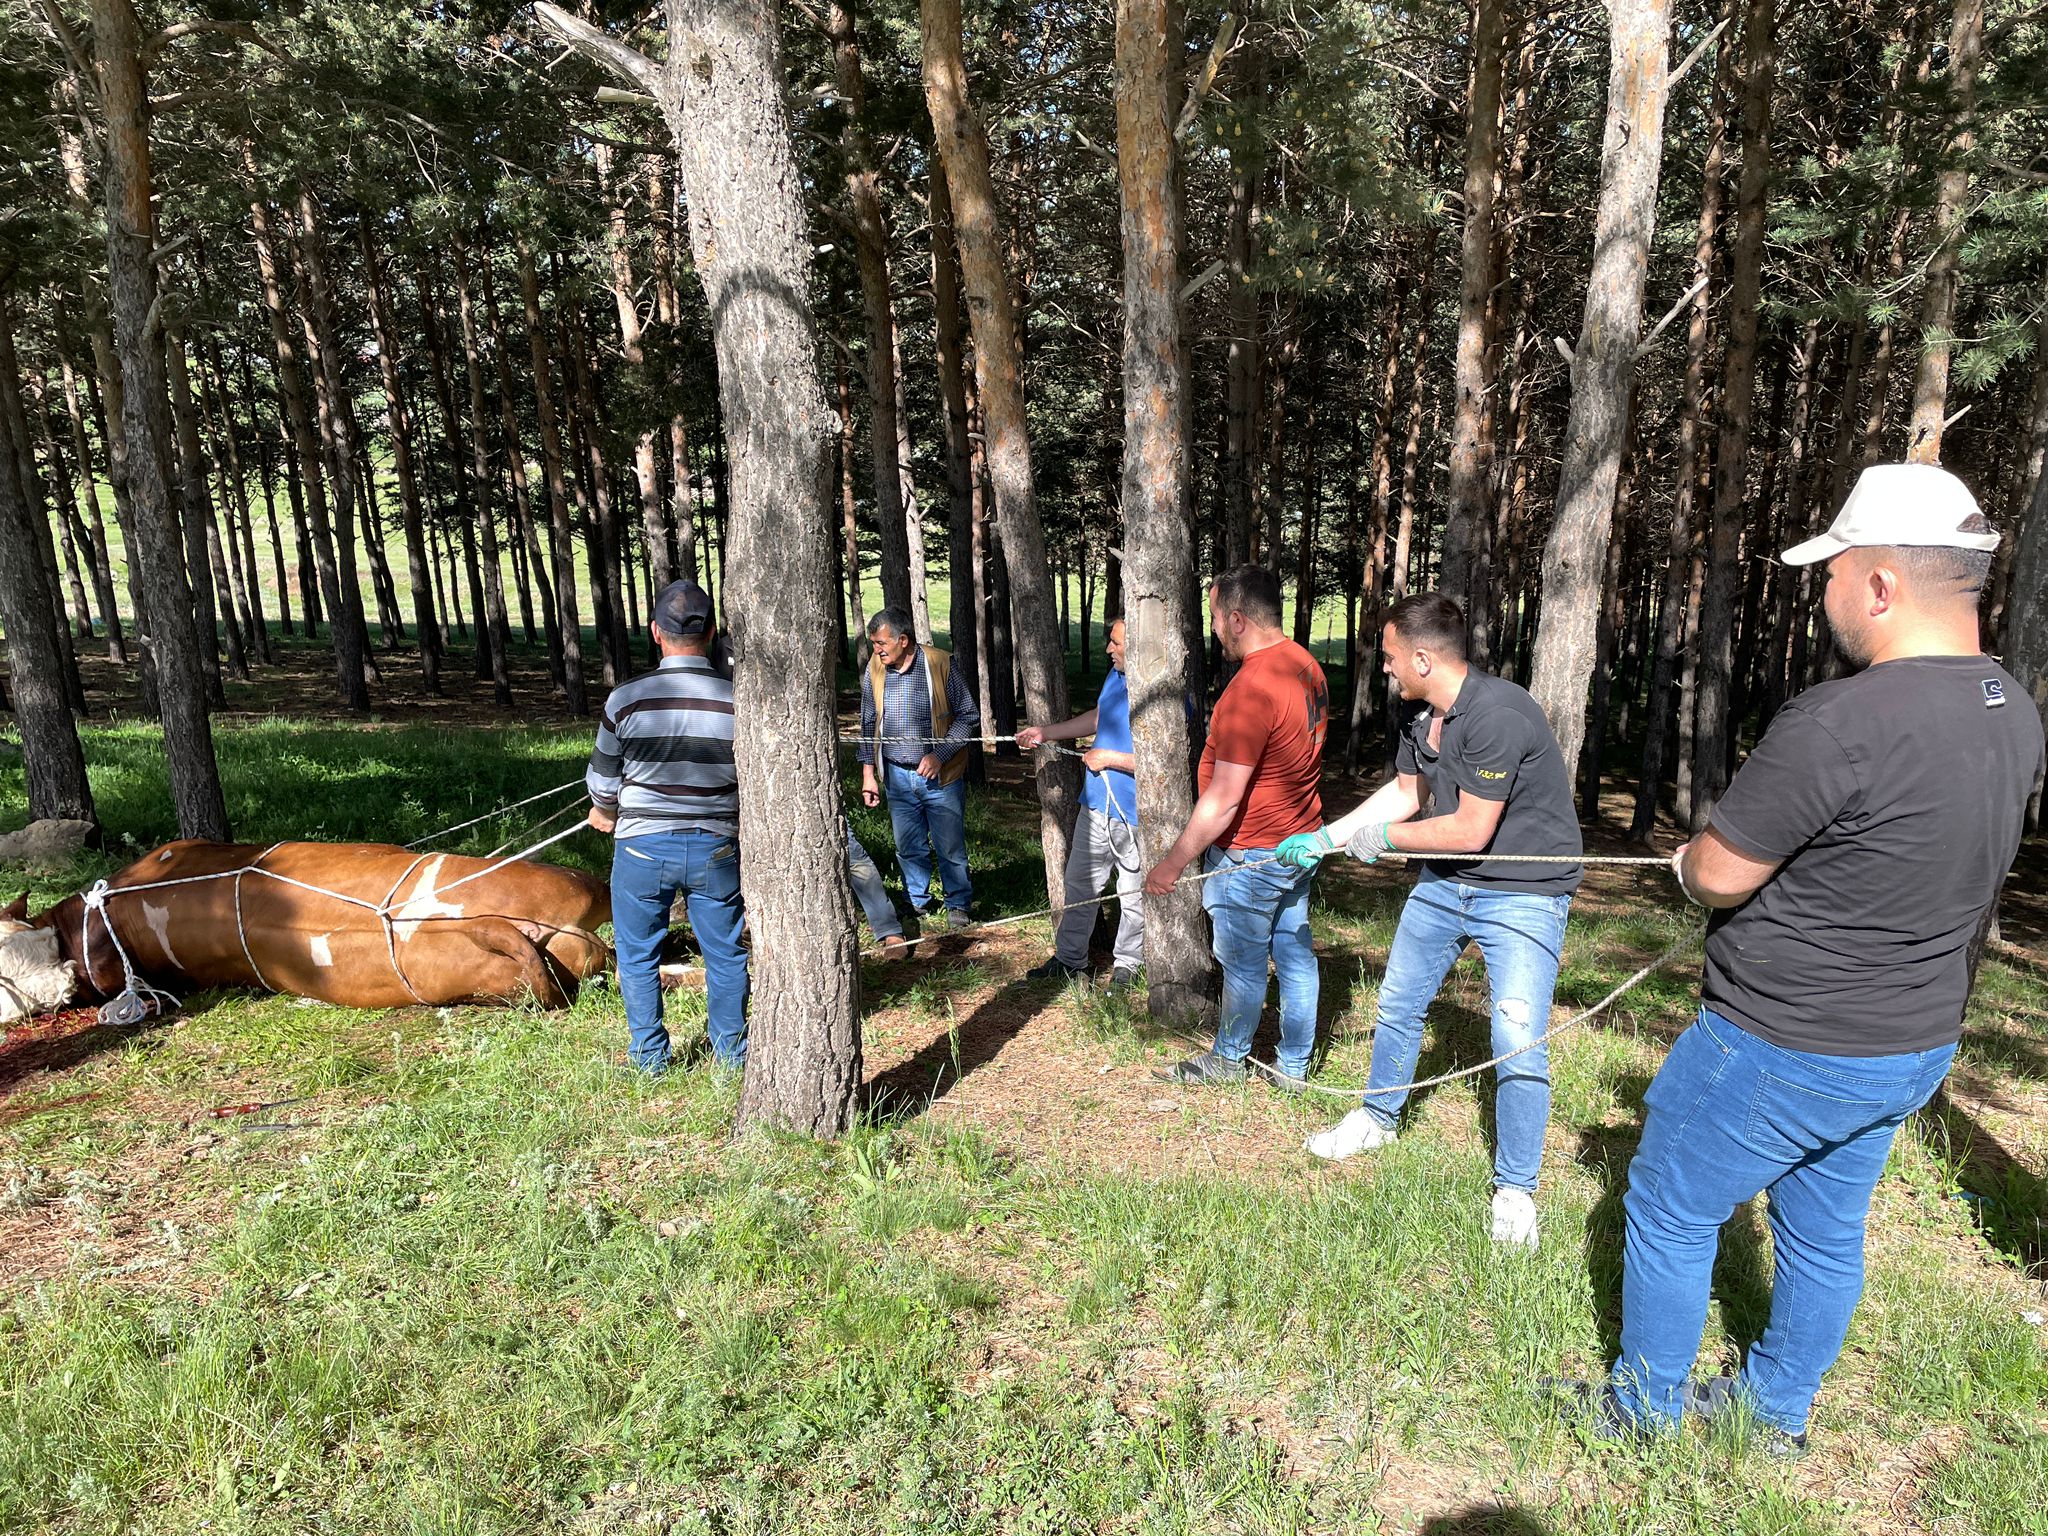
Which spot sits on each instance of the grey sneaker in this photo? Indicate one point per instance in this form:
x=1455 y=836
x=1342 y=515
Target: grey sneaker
x=1719 y=1400
x=1204 y=1071
x=1593 y=1409
x=1123 y=976
x=1281 y=1081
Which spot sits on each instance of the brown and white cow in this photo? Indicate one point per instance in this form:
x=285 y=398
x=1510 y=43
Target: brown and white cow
x=363 y=925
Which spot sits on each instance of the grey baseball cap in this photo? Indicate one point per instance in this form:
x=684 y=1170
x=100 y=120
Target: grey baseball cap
x=682 y=609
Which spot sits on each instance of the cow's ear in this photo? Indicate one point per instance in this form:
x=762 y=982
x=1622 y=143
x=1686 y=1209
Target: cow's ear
x=16 y=910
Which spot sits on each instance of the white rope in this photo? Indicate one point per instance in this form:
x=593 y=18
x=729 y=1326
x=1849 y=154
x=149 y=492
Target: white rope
x=463 y=826
x=1582 y=1017
x=138 y=1000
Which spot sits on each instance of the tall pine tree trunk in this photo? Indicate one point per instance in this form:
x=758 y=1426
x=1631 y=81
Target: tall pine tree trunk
x=1603 y=368
x=1671 y=609
x=399 y=421
x=1465 y=519
x=52 y=759
x=1738 y=388
x=753 y=252
x=1159 y=537
x=963 y=560
x=493 y=631
x=568 y=636
x=1944 y=269
x=992 y=311
x=138 y=336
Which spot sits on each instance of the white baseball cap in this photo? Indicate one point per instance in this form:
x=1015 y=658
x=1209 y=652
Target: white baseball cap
x=1899 y=504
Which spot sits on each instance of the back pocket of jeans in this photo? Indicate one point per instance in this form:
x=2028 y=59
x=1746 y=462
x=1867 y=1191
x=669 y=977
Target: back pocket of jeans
x=1788 y=1119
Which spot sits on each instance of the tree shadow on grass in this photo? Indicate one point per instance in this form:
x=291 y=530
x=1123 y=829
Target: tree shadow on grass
x=1487 y=1520
x=905 y=1090
x=1741 y=1278
x=2009 y=1201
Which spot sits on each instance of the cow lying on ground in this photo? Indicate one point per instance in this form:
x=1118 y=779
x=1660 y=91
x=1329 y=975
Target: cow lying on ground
x=363 y=925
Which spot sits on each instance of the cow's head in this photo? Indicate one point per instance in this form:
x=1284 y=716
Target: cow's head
x=34 y=975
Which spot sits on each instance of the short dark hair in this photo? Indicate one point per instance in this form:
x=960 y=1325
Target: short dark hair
x=1936 y=571
x=1251 y=590
x=1432 y=621
x=895 y=620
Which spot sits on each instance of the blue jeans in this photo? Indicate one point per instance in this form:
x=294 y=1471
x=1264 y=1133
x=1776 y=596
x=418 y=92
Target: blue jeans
x=1521 y=937
x=870 y=892
x=930 y=819
x=1253 y=914
x=647 y=875
x=1729 y=1115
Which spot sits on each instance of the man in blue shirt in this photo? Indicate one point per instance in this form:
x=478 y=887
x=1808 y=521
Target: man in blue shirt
x=1105 y=834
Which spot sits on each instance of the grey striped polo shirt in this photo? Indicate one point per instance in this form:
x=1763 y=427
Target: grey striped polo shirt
x=663 y=759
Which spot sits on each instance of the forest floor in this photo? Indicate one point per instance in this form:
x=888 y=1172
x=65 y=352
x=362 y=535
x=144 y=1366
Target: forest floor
x=478 y=1277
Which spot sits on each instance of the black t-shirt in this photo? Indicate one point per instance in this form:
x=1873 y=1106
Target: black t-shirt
x=1896 y=799
x=1497 y=745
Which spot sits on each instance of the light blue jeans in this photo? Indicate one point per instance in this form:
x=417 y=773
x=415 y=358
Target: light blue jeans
x=1521 y=937
x=647 y=875
x=1256 y=914
x=1730 y=1115
x=930 y=819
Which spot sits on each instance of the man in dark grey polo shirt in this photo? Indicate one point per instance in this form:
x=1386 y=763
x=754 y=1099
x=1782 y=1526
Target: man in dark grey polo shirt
x=1847 y=870
x=1478 y=752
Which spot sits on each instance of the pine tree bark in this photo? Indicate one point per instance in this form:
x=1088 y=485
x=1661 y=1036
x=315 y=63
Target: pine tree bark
x=963 y=560
x=1159 y=537
x=1944 y=269
x=398 y=419
x=1603 y=368
x=963 y=147
x=1738 y=388
x=138 y=336
x=39 y=522
x=753 y=251
x=196 y=512
x=1466 y=518
x=52 y=758
x=250 y=593
x=568 y=634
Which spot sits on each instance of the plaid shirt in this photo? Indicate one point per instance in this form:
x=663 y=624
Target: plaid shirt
x=907 y=712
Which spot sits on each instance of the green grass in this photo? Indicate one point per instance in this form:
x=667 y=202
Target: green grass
x=497 y=1284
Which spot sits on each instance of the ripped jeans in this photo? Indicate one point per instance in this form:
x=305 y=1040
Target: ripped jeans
x=1521 y=937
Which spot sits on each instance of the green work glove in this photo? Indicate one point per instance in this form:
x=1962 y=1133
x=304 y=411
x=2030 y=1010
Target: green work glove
x=1369 y=842
x=1305 y=850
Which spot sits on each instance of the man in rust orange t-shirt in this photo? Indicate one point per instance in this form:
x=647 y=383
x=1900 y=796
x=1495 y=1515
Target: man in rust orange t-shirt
x=1258 y=787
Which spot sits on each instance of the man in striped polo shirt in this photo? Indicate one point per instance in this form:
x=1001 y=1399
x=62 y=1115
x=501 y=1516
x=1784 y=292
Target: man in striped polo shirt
x=917 y=716
x=662 y=782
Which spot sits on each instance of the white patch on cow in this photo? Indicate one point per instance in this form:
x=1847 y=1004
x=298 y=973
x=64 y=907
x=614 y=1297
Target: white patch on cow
x=323 y=952
x=423 y=903
x=159 y=921
x=164 y=857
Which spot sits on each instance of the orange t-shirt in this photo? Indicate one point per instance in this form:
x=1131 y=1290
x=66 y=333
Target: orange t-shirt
x=1274 y=716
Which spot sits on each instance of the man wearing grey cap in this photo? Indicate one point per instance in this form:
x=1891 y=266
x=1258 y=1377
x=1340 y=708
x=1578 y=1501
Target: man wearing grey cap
x=1846 y=872
x=662 y=782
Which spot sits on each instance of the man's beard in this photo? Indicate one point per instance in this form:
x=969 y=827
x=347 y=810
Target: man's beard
x=1851 y=644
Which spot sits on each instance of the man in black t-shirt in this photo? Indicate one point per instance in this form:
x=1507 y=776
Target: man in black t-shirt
x=1847 y=869
x=1478 y=752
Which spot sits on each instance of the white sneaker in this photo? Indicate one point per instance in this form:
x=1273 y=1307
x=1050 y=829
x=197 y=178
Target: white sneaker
x=1357 y=1132
x=1514 y=1218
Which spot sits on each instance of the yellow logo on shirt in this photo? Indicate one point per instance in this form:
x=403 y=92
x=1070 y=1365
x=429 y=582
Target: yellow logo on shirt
x=1488 y=773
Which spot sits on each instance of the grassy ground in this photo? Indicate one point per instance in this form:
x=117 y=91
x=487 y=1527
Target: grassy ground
x=482 y=1279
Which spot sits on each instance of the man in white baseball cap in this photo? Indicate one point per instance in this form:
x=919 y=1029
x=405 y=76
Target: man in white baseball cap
x=1846 y=871
x=1905 y=506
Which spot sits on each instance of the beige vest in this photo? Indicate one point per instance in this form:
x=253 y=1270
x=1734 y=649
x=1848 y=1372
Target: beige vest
x=938 y=666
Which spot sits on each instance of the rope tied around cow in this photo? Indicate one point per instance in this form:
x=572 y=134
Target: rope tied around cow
x=139 y=1000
